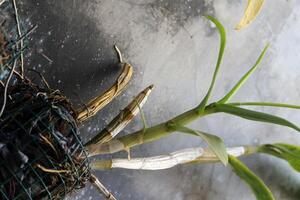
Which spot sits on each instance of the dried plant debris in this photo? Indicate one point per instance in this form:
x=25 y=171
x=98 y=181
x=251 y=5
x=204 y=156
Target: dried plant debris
x=41 y=153
x=40 y=149
x=5 y=50
x=5 y=53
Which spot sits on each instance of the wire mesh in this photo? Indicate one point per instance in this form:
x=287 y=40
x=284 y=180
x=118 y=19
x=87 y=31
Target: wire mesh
x=41 y=154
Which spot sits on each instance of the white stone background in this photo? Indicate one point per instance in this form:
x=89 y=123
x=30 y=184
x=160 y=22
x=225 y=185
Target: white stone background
x=171 y=46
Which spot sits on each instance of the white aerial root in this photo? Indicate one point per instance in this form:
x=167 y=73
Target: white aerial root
x=166 y=161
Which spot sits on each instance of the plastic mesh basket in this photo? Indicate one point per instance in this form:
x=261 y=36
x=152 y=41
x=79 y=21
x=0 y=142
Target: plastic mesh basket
x=41 y=154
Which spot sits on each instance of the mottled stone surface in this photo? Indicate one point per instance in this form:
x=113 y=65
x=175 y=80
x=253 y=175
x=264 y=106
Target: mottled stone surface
x=172 y=46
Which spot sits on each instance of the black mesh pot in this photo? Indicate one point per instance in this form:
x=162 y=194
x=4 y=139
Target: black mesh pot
x=41 y=155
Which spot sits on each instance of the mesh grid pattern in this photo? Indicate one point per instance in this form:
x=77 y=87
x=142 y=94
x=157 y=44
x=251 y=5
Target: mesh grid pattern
x=37 y=128
x=41 y=154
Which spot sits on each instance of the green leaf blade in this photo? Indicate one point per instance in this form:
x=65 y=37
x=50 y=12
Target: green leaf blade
x=241 y=82
x=254 y=115
x=215 y=144
x=222 y=34
x=270 y=104
x=258 y=187
x=290 y=153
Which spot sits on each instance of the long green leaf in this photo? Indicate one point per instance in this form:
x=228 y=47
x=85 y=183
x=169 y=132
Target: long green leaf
x=239 y=84
x=220 y=56
x=215 y=144
x=270 y=104
x=254 y=115
x=258 y=187
x=288 y=152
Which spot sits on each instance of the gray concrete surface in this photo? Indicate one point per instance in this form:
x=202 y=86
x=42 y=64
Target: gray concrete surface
x=172 y=46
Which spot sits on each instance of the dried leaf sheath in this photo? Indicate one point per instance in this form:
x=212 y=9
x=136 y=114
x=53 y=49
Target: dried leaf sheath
x=99 y=102
x=252 y=10
x=184 y=156
x=120 y=121
x=102 y=189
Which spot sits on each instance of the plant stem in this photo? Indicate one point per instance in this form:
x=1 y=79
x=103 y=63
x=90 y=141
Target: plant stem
x=150 y=134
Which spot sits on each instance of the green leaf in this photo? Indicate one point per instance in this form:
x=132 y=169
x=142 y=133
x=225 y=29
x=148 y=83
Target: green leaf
x=270 y=104
x=254 y=115
x=258 y=187
x=244 y=78
x=220 y=56
x=288 y=152
x=215 y=144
